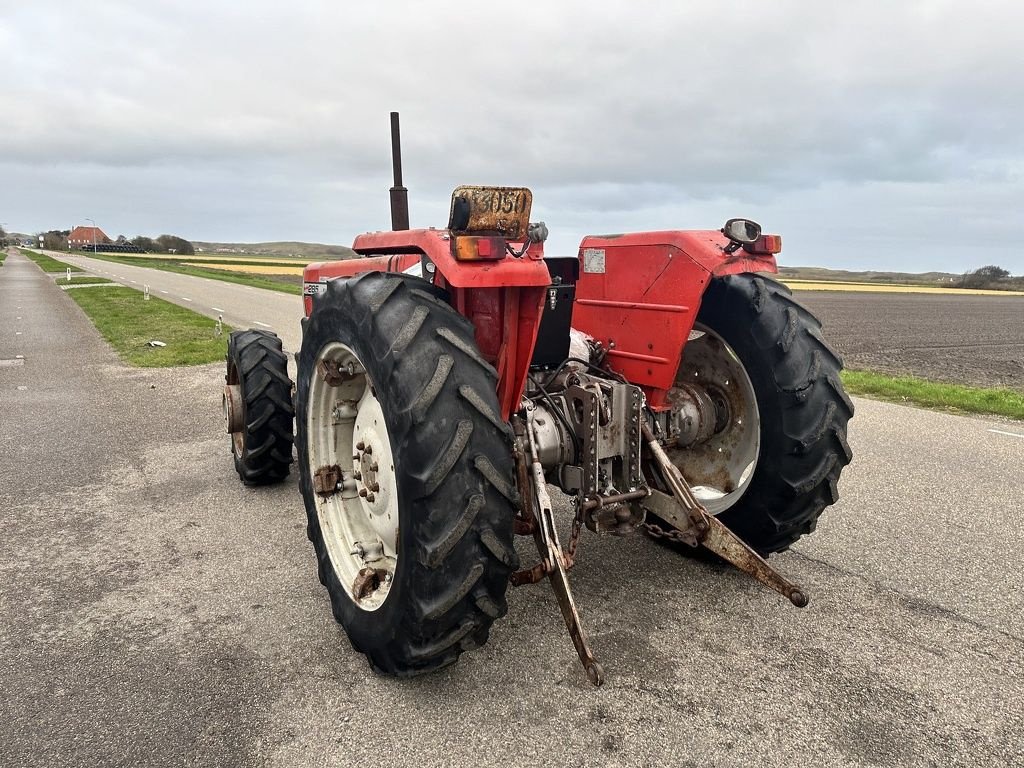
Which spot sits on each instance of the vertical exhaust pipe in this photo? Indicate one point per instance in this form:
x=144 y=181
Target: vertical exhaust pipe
x=399 y=194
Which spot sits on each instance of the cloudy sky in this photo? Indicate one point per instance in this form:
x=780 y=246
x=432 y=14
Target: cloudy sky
x=875 y=134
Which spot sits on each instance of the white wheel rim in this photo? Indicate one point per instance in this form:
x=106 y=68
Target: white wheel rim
x=720 y=470
x=345 y=426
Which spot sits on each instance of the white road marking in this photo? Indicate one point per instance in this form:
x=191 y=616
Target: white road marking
x=216 y=309
x=263 y=324
x=163 y=291
x=1011 y=434
x=134 y=281
x=186 y=298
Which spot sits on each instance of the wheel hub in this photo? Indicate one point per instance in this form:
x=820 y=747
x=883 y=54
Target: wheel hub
x=359 y=518
x=719 y=423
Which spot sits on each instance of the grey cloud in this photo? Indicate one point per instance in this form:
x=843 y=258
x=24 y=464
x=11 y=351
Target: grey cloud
x=269 y=120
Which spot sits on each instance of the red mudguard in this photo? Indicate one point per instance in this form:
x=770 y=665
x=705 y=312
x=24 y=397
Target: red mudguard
x=504 y=298
x=639 y=294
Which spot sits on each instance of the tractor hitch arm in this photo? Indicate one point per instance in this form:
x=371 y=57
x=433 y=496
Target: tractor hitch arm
x=555 y=562
x=695 y=525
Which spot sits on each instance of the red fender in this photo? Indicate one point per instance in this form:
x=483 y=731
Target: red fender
x=639 y=294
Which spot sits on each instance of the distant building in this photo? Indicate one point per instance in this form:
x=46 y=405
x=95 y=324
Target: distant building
x=81 y=236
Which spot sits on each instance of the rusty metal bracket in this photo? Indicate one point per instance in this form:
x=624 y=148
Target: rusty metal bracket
x=326 y=480
x=546 y=539
x=367 y=581
x=525 y=522
x=699 y=526
x=335 y=376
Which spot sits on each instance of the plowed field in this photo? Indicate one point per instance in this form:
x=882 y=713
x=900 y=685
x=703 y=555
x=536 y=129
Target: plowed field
x=976 y=340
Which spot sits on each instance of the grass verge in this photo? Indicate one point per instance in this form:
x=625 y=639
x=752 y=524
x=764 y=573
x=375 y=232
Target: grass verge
x=46 y=263
x=81 y=280
x=128 y=322
x=931 y=394
x=289 y=285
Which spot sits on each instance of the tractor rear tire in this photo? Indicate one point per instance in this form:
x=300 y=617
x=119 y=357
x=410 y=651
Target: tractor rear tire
x=442 y=579
x=802 y=407
x=263 y=447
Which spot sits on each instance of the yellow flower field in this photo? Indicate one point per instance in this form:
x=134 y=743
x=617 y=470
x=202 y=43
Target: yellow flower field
x=825 y=285
x=294 y=268
x=252 y=269
x=269 y=260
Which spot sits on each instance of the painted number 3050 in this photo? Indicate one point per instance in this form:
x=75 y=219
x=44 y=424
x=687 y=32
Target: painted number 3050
x=498 y=201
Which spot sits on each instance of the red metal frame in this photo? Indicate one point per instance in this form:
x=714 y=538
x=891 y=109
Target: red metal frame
x=503 y=298
x=642 y=306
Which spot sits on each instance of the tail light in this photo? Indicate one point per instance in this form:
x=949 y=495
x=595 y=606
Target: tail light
x=472 y=248
x=766 y=244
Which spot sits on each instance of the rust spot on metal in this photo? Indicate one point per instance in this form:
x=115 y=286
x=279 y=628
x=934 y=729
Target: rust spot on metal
x=332 y=375
x=525 y=521
x=367 y=581
x=234 y=408
x=711 y=533
x=530 y=575
x=326 y=480
x=501 y=211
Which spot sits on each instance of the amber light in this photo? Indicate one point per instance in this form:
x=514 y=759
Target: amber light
x=471 y=248
x=765 y=244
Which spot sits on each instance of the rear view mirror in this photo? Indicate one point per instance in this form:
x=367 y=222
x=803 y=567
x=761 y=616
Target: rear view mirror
x=743 y=231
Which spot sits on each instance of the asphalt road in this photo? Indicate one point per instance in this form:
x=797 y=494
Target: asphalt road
x=155 y=612
x=241 y=306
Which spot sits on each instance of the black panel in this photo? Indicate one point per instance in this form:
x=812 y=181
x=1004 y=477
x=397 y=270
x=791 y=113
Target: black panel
x=553 y=337
x=563 y=269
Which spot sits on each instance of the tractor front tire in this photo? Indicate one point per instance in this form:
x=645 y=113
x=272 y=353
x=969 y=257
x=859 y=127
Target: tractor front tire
x=258 y=368
x=802 y=409
x=413 y=539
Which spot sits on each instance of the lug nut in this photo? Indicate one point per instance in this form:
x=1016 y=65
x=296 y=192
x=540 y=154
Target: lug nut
x=373 y=467
x=370 y=497
x=368 y=451
x=357 y=475
x=362 y=492
x=375 y=487
x=360 y=446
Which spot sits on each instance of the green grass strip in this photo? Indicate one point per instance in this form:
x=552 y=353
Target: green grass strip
x=128 y=322
x=932 y=394
x=82 y=279
x=45 y=263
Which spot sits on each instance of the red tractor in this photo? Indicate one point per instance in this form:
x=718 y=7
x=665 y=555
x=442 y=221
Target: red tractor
x=449 y=376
